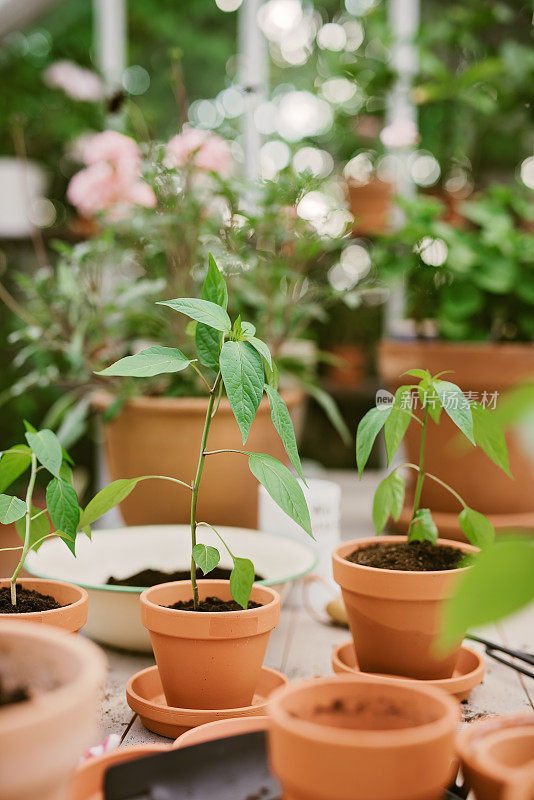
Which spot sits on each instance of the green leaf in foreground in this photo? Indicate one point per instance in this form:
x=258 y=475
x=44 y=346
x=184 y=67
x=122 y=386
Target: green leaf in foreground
x=368 y=429
x=261 y=347
x=283 y=487
x=242 y=580
x=106 y=499
x=214 y=288
x=47 y=449
x=203 y=311
x=422 y=527
x=489 y=435
x=455 y=405
x=13 y=463
x=206 y=557
x=388 y=500
x=208 y=344
x=477 y=528
x=62 y=504
x=152 y=361
x=242 y=373
x=284 y=426
x=11 y=509
x=397 y=422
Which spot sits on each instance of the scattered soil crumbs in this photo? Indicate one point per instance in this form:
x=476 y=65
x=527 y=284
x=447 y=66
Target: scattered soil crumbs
x=27 y=600
x=153 y=577
x=211 y=604
x=408 y=556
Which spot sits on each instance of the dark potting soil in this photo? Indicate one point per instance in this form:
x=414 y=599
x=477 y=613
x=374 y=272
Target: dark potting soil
x=211 y=604
x=10 y=696
x=408 y=556
x=27 y=600
x=152 y=577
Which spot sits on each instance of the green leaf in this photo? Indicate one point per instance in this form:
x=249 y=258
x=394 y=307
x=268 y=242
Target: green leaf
x=417 y=373
x=242 y=373
x=39 y=527
x=397 y=422
x=477 y=527
x=282 y=422
x=422 y=527
x=155 y=360
x=13 y=463
x=498 y=584
x=47 y=449
x=331 y=409
x=368 y=429
x=262 y=348
x=11 y=509
x=62 y=504
x=430 y=399
x=272 y=376
x=206 y=557
x=282 y=486
x=388 y=500
x=106 y=499
x=203 y=311
x=242 y=580
x=455 y=405
x=489 y=435
x=214 y=287
x=208 y=344
x=248 y=330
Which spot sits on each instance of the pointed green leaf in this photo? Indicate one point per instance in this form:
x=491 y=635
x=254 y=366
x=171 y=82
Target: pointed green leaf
x=152 y=361
x=214 y=287
x=422 y=527
x=47 y=449
x=206 y=557
x=203 y=311
x=430 y=400
x=417 y=373
x=262 y=349
x=272 y=376
x=208 y=344
x=62 y=504
x=13 y=463
x=106 y=499
x=477 y=528
x=282 y=486
x=241 y=581
x=11 y=509
x=248 y=330
x=398 y=421
x=455 y=405
x=489 y=435
x=282 y=422
x=39 y=527
x=368 y=429
x=388 y=500
x=242 y=373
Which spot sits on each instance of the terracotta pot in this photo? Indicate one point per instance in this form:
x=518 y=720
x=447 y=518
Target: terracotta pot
x=478 y=367
x=87 y=782
x=74 y=602
x=161 y=436
x=351 y=372
x=219 y=654
x=495 y=752
x=361 y=739
x=370 y=205
x=522 y=787
x=394 y=616
x=9 y=558
x=221 y=729
x=42 y=739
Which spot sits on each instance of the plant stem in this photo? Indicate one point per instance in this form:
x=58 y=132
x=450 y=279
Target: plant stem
x=196 y=486
x=421 y=475
x=28 y=515
x=437 y=480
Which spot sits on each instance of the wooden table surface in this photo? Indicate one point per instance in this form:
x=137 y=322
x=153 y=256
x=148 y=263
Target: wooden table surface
x=301 y=645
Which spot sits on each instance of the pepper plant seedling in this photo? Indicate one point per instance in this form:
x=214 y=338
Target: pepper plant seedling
x=476 y=423
x=241 y=365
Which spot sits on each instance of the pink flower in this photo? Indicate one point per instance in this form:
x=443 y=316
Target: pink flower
x=77 y=82
x=204 y=149
x=401 y=133
x=119 y=150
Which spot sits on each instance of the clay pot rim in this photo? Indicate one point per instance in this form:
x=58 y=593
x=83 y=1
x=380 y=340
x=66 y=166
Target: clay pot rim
x=92 y=666
x=364 y=739
x=250 y=612
x=83 y=597
x=105 y=760
x=261 y=722
x=345 y=548
x=468 y=736
x=101 y=399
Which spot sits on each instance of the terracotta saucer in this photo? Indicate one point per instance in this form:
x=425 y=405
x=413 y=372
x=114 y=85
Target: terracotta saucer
x=469 y=670
x=220 y=729
x=144 y=694
x=87 y=780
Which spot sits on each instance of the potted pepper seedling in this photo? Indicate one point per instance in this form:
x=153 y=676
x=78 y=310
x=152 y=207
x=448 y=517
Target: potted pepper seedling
x=217 y=631
x=394 y=588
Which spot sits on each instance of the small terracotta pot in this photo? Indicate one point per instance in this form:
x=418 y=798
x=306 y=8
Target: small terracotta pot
x=221 y=729
x=495 y=751
x=371 y=205
x=362 y=739
x=87 y=782
x=74 y=602
x=395 y=616
x=41 y=739
x=208 y=660
x=351 y=371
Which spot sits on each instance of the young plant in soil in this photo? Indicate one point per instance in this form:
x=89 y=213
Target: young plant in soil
x=476 y=424
x=232 y=359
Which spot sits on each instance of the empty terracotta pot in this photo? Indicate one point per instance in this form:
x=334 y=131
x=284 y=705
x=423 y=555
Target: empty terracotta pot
x=161 y=436
x=208 y=660
x=87 y=782
x=395 y=616
x=221 y=729
x=41 y=739
x=362 y=739
x=495 y=752
x=74 y=602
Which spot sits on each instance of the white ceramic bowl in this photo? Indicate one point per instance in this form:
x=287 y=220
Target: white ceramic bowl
x=114 y=616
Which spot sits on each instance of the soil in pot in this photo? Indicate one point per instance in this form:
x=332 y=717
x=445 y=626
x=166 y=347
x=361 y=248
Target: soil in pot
x=408 y=556
x=153 y=577
x=211 y=604
x=376 y=714
x=28 y=601
x=10 y=696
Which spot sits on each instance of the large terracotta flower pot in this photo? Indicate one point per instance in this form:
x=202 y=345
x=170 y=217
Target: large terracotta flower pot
x=395 y=616
x=41 y=739
x=477 y=368
x=495 y=753
x=362 y=739
x=161 y=436
x=208 y=660
x=370 y=205
x=74 y=602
